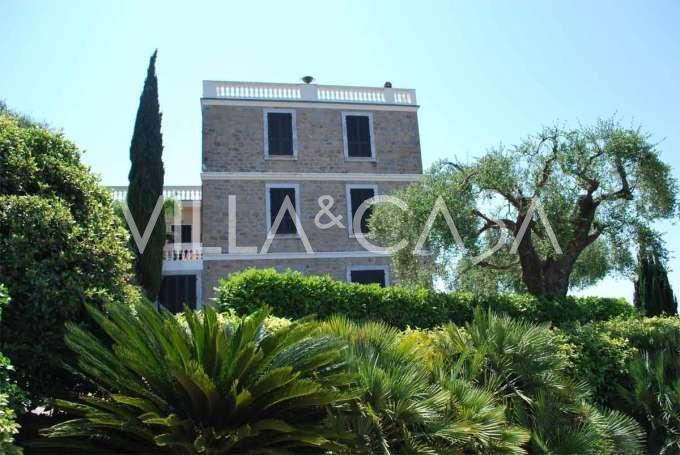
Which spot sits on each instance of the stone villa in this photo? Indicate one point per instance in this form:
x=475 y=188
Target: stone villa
x=271 y=151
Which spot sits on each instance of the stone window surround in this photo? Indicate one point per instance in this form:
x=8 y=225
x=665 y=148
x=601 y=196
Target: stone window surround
x=267 y=197
x=348 y=200
x=384 y=268
x=344 y=136
x=267 y=156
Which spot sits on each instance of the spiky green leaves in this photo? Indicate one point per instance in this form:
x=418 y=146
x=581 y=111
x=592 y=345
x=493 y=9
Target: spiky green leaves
x=203 y=386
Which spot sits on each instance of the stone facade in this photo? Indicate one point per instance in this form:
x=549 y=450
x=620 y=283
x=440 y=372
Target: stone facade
x=235 y=163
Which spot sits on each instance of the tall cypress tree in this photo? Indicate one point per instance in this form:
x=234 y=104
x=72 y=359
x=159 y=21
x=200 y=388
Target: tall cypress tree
x=653 y=292
x=146 y=182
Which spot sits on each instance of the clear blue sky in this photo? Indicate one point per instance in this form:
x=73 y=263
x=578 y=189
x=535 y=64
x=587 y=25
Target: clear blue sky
x=485 y=72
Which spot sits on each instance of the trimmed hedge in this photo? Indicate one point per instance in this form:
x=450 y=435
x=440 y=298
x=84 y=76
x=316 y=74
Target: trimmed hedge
x=602 y=351
x=293 y=295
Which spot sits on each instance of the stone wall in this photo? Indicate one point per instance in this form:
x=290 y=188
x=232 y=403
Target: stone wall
x=233 y=141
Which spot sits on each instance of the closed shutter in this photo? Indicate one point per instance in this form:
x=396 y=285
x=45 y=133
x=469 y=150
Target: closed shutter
x=276 y=198
x=177 y=291
x=358 y=196
x=368 y=276
x=280 y=133
x=358 y=136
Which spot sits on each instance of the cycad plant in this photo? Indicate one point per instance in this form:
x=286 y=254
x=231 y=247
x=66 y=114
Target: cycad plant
x=654 y=398
x=403 y=408
x=520 y=364
x=202 y=386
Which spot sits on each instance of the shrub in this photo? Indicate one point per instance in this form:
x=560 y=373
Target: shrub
x=654 y=398
x=602 y=351
x=11 y=396
x=210 y=386
x=293 y=295
x=61 y=247
x=524 y=367
x=405 y=408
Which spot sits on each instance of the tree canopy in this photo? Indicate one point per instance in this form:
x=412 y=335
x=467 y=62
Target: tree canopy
x=61 y=247
x=580 y=193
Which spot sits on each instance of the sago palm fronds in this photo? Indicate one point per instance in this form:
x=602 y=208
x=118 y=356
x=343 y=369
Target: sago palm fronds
x=520 y=365
x=405 y=409
x=203 y=386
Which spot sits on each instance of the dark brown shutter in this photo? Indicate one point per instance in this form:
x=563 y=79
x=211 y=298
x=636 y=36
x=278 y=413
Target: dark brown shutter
x=358 y=196
x=276 y=198
x=358 y=136
x=280 y=133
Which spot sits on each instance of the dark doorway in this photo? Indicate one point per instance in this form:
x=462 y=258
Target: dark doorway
x=177 y=291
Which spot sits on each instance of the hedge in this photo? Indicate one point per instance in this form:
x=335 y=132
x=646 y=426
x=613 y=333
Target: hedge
x=293 y=295
x=602 y=351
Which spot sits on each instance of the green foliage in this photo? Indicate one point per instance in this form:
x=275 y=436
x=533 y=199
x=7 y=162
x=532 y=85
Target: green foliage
x=654 y=398
x=524 y=368
x=146 y=182
x=602 y=351
x=598 y=185
x=632 y=366
x=653 y=293
x=11 y=396
x=205 y=385
x=61 y=246
x=405 y=408
x=294 y=295
x=8 y=428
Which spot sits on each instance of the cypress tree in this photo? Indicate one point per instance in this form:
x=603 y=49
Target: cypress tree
x=653 y=293
x=146 y=182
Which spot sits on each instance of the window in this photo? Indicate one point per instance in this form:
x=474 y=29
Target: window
x=276 y=195
x=184 y=230
x=368 y=275
x=280 y=138
x=356 y=195
x=358 y=132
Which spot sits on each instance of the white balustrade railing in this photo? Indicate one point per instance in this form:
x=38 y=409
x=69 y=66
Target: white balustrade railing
x=183 y=252
x=182 y=193
x=308 y=92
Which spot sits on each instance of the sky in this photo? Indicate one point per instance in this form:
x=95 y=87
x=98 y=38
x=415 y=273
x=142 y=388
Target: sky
x=485 y=72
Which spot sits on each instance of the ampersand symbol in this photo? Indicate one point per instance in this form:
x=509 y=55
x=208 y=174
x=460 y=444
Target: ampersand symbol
x=326 y=202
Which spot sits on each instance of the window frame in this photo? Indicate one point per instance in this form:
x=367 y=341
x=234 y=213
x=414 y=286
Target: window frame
x=269 y=220
x=345 y=139
x=348 y=198
x=293 y=120
x=358 y=268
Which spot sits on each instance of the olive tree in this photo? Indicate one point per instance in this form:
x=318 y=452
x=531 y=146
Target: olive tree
x=559 y=210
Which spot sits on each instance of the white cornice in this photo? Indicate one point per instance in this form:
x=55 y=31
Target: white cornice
x=308 y=104
x=311 y=176
x=293 y=255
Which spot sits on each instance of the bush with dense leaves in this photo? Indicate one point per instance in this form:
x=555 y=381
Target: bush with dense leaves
x=294 y=295
x=61 y=247
x=205 y=385
x=632 y=365
x=12 y=397
x=524 y=366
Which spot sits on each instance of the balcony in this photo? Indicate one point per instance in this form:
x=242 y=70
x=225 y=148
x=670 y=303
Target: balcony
x=309 y=92
x=182 y=257
x=180 y=193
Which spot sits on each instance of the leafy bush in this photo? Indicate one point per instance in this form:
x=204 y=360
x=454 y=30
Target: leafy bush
x=61 y=247
x=522 y=365
x=654 y=398
x=633 y=367
x=602 y=351
x=8 y=428
x=405 y=408
x=11 y=396
x=208 y=387
x=293 y=295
